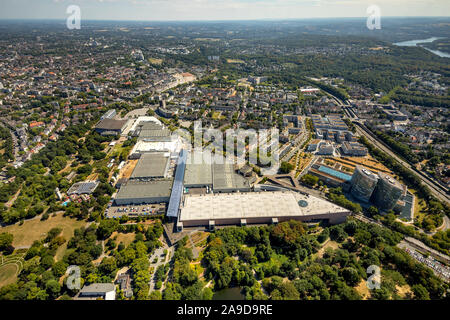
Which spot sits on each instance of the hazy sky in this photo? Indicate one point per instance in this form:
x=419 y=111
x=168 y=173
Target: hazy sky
x=217 y=9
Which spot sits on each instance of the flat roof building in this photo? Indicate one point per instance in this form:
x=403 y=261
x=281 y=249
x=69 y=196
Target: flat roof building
x=87 y=187
x=95 y=291
x=256 y=208
x=158 y=135
x=110 y=126
x=198 y=175
x=151 y=165
x=204 y=170
x=136 y=192
x=353 y=149
x=142 y=147
x=225 y=179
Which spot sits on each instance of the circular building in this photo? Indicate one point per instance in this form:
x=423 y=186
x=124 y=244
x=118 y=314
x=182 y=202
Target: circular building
x=387 y=192
x=363 y=183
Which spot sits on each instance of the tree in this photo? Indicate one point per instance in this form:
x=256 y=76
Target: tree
x=106 y=228
x=53 y=288
x=6 y=240
x=309 y=179
x=286 y=167
x=420 y=292
x=107 y=266
x=59 y=268
x=155 y=295
x=373 y=211
x=351 y=276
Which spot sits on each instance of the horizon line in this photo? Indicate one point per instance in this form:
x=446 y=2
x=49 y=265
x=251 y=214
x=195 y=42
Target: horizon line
x=219 y=20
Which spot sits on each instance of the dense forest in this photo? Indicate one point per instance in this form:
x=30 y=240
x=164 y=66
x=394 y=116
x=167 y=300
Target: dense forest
x=288 y=261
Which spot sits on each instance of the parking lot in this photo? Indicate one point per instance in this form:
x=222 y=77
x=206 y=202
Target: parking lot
x=135 y=210
x=439 y=269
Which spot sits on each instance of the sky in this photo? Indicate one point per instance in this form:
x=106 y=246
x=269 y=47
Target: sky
x=152 y=10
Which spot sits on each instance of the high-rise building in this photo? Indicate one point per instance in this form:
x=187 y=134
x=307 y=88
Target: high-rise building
x=387 y=192
x=363 y=183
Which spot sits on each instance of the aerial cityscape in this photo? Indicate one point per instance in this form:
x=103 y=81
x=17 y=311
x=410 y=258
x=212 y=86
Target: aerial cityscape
x=273 y=157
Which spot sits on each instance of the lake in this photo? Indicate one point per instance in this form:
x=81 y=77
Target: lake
x=229 y=294
x=415 y=43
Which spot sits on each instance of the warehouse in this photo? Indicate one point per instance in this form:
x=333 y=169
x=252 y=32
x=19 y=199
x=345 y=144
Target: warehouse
x=198 y=173
x=151 y=166
x=225 y=179
x=210 y=210
x=110 y=126
x=172 y=148
x=203 y=170
x=158 y=135
x=136 y=192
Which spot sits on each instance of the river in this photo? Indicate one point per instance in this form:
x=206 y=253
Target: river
x=416 y=43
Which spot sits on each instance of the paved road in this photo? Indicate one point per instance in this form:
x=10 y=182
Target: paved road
x=159 y=252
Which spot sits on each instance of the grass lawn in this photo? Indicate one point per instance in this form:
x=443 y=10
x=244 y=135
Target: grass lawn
x=36 y=229
x=362 y=289
x=8 y=274
x=126 y=238
x=328 y=244
x=10 y=266
x=419 y=208
x=275 y=259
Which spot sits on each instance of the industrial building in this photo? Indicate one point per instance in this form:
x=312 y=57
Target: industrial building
x=203 y=171
x=387 y=193
x=141 y=147
x=150 y=135
x=110 y=126
x=145 y=122
x=151 y=166
x=210 y=210
x=137 y=192
x=363 y=183
x=225 y=179
x=198 y=175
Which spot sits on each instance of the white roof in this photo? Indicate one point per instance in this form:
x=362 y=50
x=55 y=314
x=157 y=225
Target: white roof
x=144 y=119
x=156 y=146
x=253 y=205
